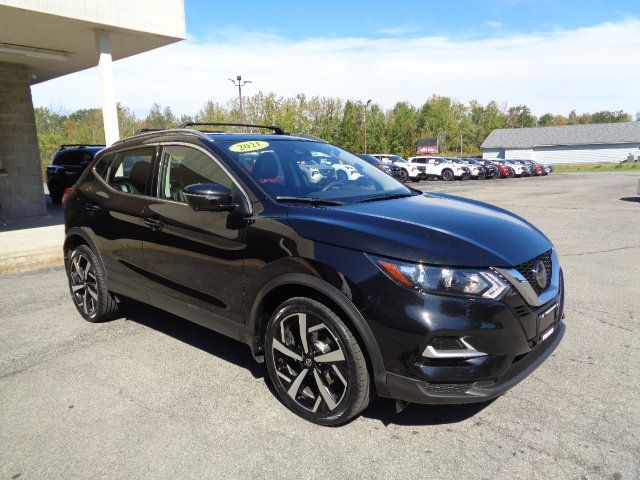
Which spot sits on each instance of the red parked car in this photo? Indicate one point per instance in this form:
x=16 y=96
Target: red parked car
x=505 y=170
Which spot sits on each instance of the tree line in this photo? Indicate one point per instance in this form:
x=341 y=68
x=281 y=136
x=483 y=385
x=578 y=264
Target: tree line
x=457 y=126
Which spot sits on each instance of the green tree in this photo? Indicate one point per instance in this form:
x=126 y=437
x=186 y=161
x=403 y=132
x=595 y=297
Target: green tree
x=520 y=116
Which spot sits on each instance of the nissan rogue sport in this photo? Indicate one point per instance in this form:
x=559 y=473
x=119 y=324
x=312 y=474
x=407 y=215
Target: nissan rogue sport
x=348 y=290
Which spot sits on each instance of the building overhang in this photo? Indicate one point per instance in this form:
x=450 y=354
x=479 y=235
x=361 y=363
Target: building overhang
x=55 y=38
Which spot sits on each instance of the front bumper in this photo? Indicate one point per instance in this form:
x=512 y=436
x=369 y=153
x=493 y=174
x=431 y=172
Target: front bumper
x=418 y=391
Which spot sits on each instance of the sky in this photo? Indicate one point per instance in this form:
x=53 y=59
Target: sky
x=554 y=56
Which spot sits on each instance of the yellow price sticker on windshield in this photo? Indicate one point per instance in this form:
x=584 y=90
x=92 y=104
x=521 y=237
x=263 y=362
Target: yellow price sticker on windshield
x=250 y=146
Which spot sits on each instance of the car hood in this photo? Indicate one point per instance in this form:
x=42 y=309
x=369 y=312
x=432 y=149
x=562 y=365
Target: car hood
x=434 y=228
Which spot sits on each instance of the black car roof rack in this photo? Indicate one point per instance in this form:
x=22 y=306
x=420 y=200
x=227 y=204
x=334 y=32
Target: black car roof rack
x=147 y=130
x=69 y=145
x=276 y=130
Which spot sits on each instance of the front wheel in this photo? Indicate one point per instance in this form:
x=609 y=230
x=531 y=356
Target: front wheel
x=315 y=363
x=447 y=175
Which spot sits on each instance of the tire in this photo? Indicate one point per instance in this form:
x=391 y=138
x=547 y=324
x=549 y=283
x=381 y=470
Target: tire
x=446 y=175
x=55 y=192
x=342 y=176
x=328 y=392
x=404 y=176
x=88 y=287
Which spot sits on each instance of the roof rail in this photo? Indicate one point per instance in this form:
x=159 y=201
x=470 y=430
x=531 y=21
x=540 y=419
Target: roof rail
x=276 y=130
x=69 y=145
x=306 y=136
x=147 y=130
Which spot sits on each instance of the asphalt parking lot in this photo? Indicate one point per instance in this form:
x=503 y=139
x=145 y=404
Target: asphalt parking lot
x=151 y=395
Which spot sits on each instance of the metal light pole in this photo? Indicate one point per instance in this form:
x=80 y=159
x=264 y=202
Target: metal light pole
x=365 y=106
x=238 y=82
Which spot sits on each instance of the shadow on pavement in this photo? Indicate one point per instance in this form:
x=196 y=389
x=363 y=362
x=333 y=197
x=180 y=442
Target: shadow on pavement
x=54 y=216
x=631 y=199
x=381 y=409
x=195 y=335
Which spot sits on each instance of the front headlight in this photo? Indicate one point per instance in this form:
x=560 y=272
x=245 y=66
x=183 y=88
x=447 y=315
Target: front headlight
x=483 y=283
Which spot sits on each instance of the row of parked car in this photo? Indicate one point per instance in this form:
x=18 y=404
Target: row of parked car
x=449 y=168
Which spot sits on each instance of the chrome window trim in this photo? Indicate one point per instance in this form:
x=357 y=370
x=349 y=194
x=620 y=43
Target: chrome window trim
x=156 y=198
x=517 y=280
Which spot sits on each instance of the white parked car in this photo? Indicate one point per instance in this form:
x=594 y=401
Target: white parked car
x=442 y=168
x=316 y=172
x=410 y=171
x=518 y=169
x=344 y=172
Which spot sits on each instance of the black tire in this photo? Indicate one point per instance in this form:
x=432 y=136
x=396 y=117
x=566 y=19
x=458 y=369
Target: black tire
x=88 y=287
x=344 y=379
x=404 y=176
x=446 y=175
x=342 y=176
x=55 y=192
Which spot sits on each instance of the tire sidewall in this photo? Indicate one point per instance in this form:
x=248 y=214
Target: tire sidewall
x=101 y=290
x=343 y=413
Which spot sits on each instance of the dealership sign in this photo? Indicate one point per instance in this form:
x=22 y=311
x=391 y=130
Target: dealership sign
x=427 y=146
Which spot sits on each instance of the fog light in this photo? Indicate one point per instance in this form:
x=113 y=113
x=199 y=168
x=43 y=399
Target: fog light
x=450 y=348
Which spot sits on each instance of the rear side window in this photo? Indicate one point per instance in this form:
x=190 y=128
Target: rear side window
x=102 y=165
x=129 y=172
x=184 y=166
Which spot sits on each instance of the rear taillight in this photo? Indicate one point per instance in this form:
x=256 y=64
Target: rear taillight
x=65 y=195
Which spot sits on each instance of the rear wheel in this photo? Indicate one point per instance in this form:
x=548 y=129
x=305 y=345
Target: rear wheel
x=315 y=363
x=88 y=286
x=404 y=176
x=55 y=192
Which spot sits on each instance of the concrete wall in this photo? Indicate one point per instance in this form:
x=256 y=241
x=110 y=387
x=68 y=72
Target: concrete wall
x=21 y=192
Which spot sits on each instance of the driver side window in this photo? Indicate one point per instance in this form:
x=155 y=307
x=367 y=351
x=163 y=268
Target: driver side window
x=183 y=166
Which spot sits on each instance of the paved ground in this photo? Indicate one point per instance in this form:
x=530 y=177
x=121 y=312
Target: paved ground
x=153 y=396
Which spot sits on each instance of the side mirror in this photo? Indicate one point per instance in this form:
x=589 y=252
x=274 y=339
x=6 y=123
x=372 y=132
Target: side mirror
x=211 y=197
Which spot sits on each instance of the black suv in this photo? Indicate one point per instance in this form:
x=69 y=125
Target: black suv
x=346 y=289
x=67 y=165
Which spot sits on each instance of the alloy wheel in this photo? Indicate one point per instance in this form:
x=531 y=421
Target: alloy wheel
x=84 y=286
x=310 y=363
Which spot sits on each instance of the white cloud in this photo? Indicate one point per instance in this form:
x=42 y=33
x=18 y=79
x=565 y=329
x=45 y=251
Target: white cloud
x=587 y=69
x=493 y=24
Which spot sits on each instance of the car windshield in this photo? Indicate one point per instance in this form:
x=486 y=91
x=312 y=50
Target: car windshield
x=312 y=170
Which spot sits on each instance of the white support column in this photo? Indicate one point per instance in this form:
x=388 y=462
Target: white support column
x=107 y=90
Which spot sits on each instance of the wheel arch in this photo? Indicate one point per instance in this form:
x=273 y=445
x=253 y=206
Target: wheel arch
x=290 y=285
x=76 y=236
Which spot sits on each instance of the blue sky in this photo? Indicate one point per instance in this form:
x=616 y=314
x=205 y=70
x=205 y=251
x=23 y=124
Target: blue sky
x=554 y=56
x=330 y=18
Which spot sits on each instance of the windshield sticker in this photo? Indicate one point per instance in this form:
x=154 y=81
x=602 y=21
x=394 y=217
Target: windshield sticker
x=250 y=146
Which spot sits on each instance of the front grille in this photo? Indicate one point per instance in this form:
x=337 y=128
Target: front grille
x=526 y=269
x=447 y=343
x=447 y=387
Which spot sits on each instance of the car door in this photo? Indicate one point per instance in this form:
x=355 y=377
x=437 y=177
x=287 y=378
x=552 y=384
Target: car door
x=112 y=214
x=195 y=258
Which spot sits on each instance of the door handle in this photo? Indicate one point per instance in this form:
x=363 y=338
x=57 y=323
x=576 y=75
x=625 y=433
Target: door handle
x=92 y=207
x=154 y=224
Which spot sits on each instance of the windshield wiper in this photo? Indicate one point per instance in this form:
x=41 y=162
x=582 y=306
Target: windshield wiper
x=309 y=200
x=387 y=196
